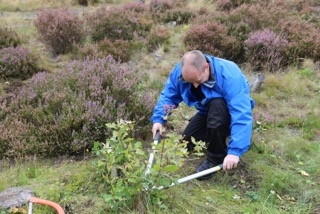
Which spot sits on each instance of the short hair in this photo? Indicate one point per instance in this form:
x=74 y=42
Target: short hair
x=195 y=58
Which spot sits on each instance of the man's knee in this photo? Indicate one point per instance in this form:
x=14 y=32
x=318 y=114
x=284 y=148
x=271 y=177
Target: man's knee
x=218 y=114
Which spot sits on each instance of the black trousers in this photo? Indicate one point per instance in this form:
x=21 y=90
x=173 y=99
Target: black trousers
x=213 y=128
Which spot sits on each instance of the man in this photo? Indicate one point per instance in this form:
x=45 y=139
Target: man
x=221 y=94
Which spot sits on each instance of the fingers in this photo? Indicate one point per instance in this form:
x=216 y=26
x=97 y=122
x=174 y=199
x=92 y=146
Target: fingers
x=155 y=128
x=230 y=162
x=229 y=166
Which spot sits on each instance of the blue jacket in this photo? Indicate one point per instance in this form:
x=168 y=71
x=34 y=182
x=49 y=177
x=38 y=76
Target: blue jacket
x=228 y=82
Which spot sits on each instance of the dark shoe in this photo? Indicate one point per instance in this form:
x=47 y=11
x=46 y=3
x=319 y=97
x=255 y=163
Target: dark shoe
x=207 y=164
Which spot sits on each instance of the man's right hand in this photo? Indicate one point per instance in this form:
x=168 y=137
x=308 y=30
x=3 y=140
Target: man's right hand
x=156 y=127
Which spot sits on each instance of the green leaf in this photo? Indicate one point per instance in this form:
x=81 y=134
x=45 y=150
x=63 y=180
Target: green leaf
x=171 y=168
x=107 y=197
x=165 y=182
x=156 y=167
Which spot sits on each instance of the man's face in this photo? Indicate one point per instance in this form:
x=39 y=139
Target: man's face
x=195 y=77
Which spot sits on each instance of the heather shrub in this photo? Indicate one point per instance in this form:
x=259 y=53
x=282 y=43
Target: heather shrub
x=265 y=50
x=256 y=16
x=119 y=49
x=136 y=6
x=159 y=35
x=87 y=2
x=211 y=38
x=245 y=19
x=8 y=38
x=59 y=29
x=160 y=9
x=62 y=113
x=238 y=32
x=232 y=4
x=312 y=15
x=118 y=23
x=160 y=6
x=83 y=2
x=203 y=11
x=11 y=142
x=179 y=16
x=89 y=51
x=303 y=38
x=17 y=62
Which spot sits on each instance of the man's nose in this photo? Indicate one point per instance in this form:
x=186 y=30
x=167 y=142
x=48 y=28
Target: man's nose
x=195 y=85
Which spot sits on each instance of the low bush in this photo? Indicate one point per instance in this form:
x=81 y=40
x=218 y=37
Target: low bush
x=59 y=29
x=8 y=38
x=210 y=38
x=159 y=35
x=256 y=16
x=87 y=2
x=303 y=38
x=312 y=17
x=248 y=18
x=136 y=6
x=118 y=23
x=62 y=113
x=232 y=4
x=161 y=6
x=83 y=2
x=160 y=10
x=265 y=50
x=121 y=170
x=18 y=63
x=119 y=49
x=88 y=51
x=179 y=16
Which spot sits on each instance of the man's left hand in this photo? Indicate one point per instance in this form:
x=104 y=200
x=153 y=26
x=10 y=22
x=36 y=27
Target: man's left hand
x=230 y=162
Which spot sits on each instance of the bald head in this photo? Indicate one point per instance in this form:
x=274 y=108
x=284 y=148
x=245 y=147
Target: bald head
x=193 y=66
x=194 y=59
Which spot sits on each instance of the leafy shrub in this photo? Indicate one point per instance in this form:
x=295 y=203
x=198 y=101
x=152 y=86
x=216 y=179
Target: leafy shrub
x=158 y=35
x=64 y=112
x=18 y=63
x=265 y=49
x=118 y=23
x=8 y=38
x=211 y=38
x=59 y=29
x=121 y=169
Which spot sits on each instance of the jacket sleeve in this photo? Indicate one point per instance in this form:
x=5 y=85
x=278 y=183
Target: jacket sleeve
x=170 y=96
x=236 y=91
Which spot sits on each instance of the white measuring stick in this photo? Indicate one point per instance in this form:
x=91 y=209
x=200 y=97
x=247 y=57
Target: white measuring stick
x=151 y=157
